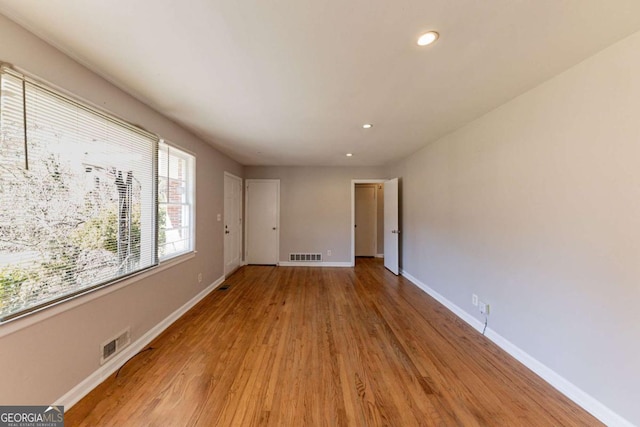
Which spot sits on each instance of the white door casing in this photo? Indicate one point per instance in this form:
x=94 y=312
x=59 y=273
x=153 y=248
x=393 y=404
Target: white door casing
x=391 y=229
x=355 y=182
x=366 y=220
x=232 y=223
x=262 y=198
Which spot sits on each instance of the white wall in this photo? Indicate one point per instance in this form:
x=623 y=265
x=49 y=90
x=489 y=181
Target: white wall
x=315 y=207
x=535 y=207
x=41 y=362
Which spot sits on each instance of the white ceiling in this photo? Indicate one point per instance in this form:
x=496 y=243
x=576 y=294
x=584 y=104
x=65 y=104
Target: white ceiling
x=290 y=82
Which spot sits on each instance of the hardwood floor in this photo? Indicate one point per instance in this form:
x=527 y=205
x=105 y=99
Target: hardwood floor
x=287 y=346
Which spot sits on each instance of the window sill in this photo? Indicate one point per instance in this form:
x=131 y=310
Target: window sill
x=13 y=325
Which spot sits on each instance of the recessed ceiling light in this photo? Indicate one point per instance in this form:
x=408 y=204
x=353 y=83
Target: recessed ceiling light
x=367 y=126
x=428 y=38
x=349 y=154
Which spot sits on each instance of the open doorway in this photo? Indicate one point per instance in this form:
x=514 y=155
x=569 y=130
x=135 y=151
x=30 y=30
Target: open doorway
x=367 y=218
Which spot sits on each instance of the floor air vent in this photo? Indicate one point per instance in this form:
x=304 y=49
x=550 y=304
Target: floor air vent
x=113 y=346
x=305 y=257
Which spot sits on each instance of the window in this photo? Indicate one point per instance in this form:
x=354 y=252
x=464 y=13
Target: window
x=175 y=202
x=81 y=201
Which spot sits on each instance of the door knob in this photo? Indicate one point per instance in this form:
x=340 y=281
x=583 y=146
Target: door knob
x=274 y=228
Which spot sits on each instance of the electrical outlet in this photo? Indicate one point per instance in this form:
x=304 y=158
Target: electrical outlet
x=474 y=300
x=484 y=307
x=329 y=252
x=199 y=277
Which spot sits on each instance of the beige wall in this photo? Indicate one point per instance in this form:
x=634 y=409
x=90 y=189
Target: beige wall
x=535 y=207
x=40 y=363
x=315 y=207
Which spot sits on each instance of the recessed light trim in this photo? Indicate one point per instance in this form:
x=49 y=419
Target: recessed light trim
x=428 y=38
x=349 y=154
x=367 y=126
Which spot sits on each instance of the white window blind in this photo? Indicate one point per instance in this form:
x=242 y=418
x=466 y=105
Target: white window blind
x=175 y=201
x=77 y=197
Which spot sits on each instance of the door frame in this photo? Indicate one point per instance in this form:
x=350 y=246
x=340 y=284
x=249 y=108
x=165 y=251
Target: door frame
x=375 y=219
x=353 y=212
x=241 y=228
x=246 y=222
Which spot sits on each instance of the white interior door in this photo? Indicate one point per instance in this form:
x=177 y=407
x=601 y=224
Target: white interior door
x=232 y=223
x=365 y=226
x=263 y=205
x=391 y=229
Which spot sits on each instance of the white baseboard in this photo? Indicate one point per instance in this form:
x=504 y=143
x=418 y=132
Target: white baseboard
x=379 y=255
x=98 y=376
x=587 y=402
x=313 y=264
x=477 y=324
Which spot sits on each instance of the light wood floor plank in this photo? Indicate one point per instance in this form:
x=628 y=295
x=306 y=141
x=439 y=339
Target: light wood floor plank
x=291 y=346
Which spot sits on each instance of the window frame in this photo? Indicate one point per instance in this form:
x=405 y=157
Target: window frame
x=64 y=302
x=190 y=189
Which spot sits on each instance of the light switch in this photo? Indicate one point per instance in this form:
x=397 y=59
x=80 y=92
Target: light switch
x=219 y=217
